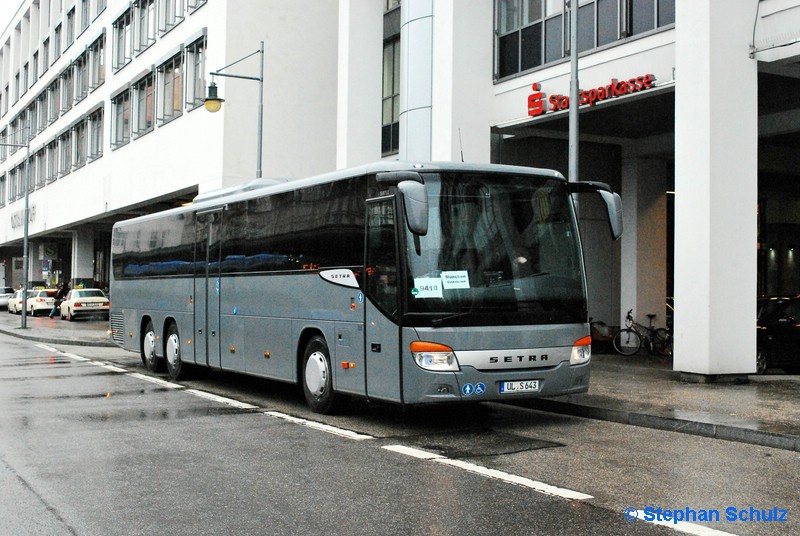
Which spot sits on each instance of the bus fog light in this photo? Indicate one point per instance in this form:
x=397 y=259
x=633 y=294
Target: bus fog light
x=434 y=356
x=581 y=351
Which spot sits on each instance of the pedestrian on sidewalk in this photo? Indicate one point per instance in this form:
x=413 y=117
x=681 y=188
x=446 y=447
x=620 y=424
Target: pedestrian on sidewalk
x=59 y=297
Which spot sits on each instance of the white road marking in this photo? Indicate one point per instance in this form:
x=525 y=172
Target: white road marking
x=414 y=453
x=221 y=399
x=106 y=366
x=75 y=357
x=541 y=487
x=45 y=347
x=319 y=426
x=157 y=381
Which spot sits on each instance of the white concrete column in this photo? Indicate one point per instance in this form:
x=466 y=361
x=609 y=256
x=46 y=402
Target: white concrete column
x=416 y=79
x=358 y=111
x=643 y=281
x=82 y=254
x=716 y=151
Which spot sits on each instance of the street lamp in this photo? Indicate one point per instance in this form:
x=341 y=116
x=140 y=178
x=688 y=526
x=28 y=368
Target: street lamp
x=213 y=102
x=27 y=146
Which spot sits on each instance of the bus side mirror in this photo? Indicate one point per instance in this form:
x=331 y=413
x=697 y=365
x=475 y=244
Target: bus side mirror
x=415 y=201
x=614 y=207
x=610 y=198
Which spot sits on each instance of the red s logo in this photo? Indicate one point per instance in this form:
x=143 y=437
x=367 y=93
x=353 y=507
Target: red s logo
x=535 y=101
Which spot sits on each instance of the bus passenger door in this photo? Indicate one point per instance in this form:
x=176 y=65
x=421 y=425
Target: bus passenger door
x=381 y=309
x=207 y=288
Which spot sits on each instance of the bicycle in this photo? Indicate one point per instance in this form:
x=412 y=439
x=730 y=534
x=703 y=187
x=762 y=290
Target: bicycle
x=629 y=340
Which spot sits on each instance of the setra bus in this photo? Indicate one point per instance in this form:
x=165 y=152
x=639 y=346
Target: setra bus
x=408 y=283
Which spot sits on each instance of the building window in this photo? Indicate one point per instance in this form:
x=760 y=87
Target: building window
x=33 y=119
x=35 y=68
x=65 y=153
x=3 y=148
x=25 y=77
x=52 y=161
x=123 y=41
x=81 y=144
x=57 y=42
x=41 y=111
x=170 y=84
x=15 y=136
x=171 y=14
x=531 y=33
x=195 y=73
x=82 y=77
x=41 y=167
x=99 y=6
x=70 y=35
x=45 y=55
x=193 y=5
x=67 y=89
x=33 y=176
x=2 y=190
x=12 y=185
x=85 y=15
x=145 y=23
x=121 y=129
x=145 y=105
x=53 y=101
x=390 y=131
x=96 y=135
x=97 y=66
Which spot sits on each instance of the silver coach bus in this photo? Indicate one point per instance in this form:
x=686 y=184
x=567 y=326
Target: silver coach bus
x=409 y=283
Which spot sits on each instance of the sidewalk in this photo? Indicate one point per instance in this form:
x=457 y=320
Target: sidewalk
x=640 y=390
x=643 y=390
x=84 y=332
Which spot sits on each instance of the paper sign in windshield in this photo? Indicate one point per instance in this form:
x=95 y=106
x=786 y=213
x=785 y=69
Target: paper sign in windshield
x=455 y=279
x=427 y=287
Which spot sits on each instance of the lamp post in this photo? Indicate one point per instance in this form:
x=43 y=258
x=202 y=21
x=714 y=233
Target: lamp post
x=213 y=102
x=27 y=146
x=573 y=91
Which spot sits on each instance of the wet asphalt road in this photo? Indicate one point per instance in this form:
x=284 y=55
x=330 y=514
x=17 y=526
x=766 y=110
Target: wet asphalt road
x=92 y=444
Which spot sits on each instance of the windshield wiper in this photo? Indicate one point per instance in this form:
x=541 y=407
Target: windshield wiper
x=437 y=322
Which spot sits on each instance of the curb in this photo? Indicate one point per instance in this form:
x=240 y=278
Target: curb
x=57 y=340
x=715 y=431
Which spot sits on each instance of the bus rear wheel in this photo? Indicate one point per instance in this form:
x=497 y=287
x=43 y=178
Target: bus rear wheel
x=318 y=376
x=148 y=352
x=172 y=352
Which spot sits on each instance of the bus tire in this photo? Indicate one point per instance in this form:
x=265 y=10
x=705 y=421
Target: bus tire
x=317 y=376
x=172 y=353
x=148 y=351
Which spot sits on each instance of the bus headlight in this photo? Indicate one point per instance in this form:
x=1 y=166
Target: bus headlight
x=434 y=356
x=581 y=351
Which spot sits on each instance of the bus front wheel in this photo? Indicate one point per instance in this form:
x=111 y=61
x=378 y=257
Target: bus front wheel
x=148 y=352
x=172 y=351
x=318 y=376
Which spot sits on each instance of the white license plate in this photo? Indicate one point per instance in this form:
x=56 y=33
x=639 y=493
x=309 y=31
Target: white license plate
x=524 y=386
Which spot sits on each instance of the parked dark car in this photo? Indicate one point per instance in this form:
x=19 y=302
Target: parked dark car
x=778 y=334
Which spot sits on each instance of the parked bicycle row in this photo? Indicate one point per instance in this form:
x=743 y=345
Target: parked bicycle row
x=631 y=338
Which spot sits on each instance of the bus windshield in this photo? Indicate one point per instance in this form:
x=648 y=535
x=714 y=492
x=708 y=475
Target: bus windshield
x=500 y=250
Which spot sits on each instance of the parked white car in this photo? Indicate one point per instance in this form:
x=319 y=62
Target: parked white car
x=84 y=302
x=5 y=295
x=15 y=302
x=41 y=301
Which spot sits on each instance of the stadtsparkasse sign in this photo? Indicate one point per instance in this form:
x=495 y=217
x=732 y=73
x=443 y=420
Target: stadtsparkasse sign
x=539 y=103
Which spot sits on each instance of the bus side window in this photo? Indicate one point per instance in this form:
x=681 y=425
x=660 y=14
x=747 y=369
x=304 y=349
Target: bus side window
x=382 y=257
